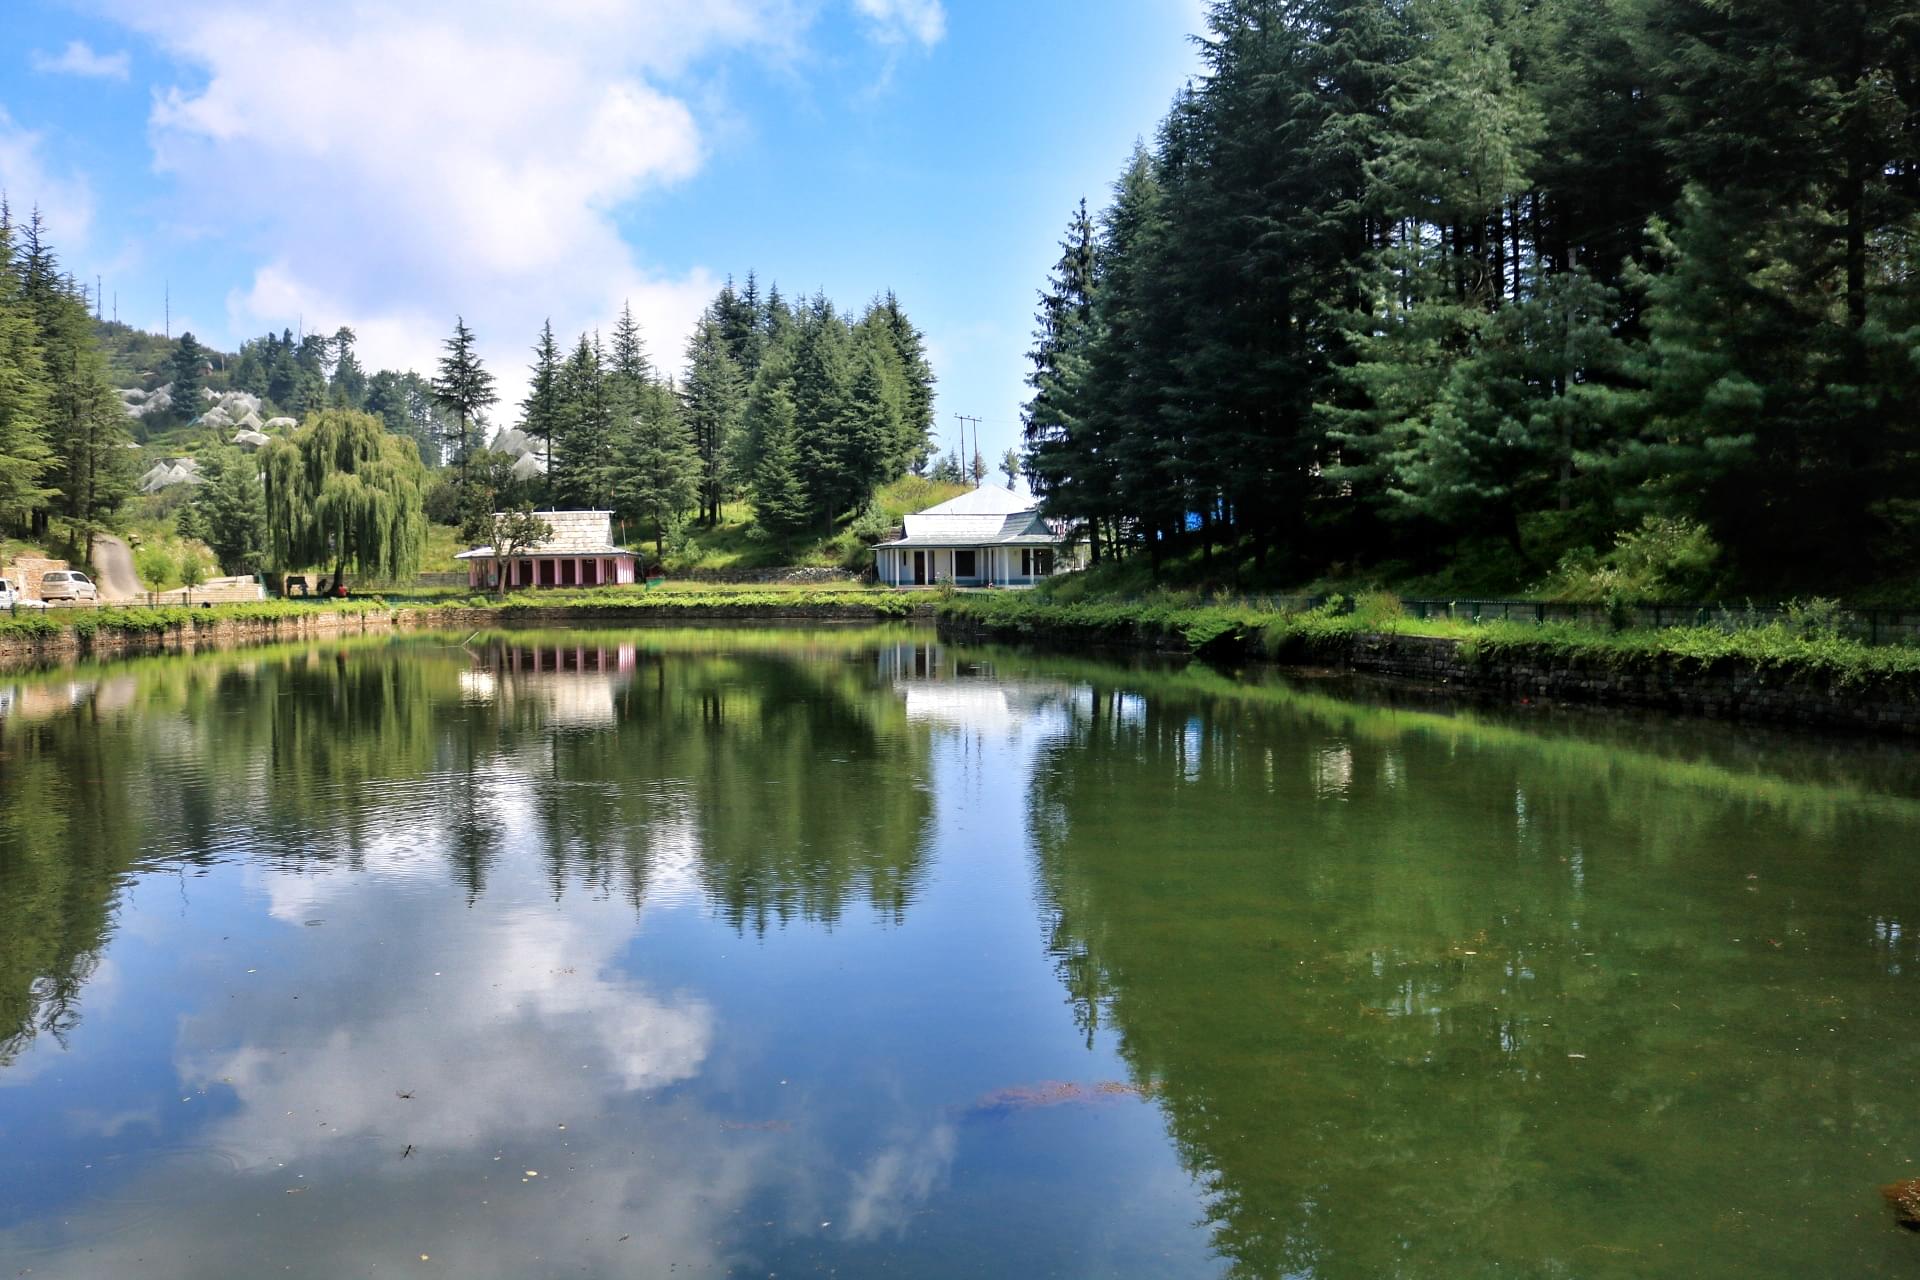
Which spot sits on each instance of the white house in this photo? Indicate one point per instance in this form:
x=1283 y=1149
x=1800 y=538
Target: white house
x=581 y=553
x=985 y=537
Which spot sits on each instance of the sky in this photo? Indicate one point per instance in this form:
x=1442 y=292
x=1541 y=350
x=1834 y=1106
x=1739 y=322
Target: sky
x=390 y=164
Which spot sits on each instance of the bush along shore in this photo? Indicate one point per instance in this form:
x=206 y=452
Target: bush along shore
x=1804 y=674
x=39 y=635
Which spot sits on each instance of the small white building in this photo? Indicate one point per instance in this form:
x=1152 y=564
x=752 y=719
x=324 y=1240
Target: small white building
x=580 y=553
x=986 y=537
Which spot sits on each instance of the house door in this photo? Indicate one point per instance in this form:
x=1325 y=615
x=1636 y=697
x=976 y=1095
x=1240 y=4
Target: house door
x=919 y=568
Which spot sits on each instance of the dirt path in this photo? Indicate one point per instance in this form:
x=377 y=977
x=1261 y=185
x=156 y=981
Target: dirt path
x=113 y=569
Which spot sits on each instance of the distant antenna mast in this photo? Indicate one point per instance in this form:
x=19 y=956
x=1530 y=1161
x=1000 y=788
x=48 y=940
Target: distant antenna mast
x=169 y=297
x=96 y=299
x=116 y=306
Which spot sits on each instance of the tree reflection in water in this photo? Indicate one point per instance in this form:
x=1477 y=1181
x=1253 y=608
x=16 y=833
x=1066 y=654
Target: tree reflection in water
x=1421 y=995
x=780 y=787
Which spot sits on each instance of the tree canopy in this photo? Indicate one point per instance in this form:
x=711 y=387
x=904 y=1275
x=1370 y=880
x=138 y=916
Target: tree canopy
x=1407 y=285
x=343 y=493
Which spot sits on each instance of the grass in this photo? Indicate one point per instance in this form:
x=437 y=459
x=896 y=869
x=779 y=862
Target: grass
x=1781 y=649
x=737 y=544
x=731 y=598
x=692 y=598
x=140 y=620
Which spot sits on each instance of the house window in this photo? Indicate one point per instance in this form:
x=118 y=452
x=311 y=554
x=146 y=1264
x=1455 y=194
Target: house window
x=966 y=564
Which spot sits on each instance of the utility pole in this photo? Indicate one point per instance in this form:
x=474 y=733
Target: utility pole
x=96 y=299
x=966 y=462
x=168 y=295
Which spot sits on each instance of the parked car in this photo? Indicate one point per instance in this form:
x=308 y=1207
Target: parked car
x=67 y=586
x=11 y=598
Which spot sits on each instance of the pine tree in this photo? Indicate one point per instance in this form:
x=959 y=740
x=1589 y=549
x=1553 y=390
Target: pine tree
x=738 y=319
x=25 y=457
x=711 y=401
x=658 y=468
x=464 y=389
x=908 y=351
x=583 y=451
x=780 y=503
x=629 y=353
x=541 y=410
x=85 y=423
x=189 y=374
x=283 y=374
x=229 y=513
x=822 y=383
x=347 y=387
x=1054 y=424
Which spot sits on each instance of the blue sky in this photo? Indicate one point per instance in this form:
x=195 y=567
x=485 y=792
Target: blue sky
x=388 y=164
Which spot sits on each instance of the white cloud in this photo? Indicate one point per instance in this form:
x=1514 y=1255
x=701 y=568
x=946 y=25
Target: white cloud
x=65 y=201
x=390 y=167
x=79 y=59
x=899 y=21
x=898 y=1181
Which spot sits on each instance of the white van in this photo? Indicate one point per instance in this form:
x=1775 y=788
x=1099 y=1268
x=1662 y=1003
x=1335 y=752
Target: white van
x=69 y=586
x=10 y=597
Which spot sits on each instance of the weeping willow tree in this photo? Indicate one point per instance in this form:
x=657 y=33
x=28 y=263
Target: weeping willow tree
x=344 y=492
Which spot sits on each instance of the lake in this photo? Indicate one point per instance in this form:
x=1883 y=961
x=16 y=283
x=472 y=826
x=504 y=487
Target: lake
x=759 y=952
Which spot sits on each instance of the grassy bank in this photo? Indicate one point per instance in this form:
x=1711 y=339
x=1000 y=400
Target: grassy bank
x=703 y=598
x=1331 y=631
x=139 y=620
x=86 y=628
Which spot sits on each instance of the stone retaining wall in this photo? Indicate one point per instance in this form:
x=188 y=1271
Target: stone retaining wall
x=219 y=633
x=759 y=577
x=1726 y=689
x=216 y=633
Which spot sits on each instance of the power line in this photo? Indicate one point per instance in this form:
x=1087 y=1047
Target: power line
x=968 y=461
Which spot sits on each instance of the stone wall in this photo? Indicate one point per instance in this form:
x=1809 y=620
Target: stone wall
x=1726 y=689
x=214 y=633
x=26 y=572
x=786 y=573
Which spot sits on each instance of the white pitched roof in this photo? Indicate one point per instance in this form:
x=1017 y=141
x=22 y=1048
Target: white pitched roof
x=987 y=500
x=1020 y=528
x=575 y=533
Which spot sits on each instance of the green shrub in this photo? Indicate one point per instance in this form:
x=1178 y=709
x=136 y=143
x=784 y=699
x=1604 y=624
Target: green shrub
x=1665 y=558
x=156 y=566
x=1817 y=616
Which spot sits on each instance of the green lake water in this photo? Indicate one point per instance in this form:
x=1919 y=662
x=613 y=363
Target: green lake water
x=850 y=953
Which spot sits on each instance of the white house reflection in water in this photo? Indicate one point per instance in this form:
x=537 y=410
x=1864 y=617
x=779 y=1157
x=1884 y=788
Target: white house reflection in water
x=575 y=684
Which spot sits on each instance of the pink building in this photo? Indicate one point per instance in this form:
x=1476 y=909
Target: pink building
x=579 y=554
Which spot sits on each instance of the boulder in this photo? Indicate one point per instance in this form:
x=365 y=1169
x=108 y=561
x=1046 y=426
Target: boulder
x=1905 y=1199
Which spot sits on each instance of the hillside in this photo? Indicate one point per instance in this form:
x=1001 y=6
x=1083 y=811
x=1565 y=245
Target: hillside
x=735 y=544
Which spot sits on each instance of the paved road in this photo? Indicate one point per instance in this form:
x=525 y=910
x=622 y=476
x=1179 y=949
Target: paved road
x=113 y=569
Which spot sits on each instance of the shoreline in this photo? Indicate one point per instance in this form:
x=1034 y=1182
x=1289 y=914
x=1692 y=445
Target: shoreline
x=1802 y=684
x=1813 y=689
x=141 y=632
